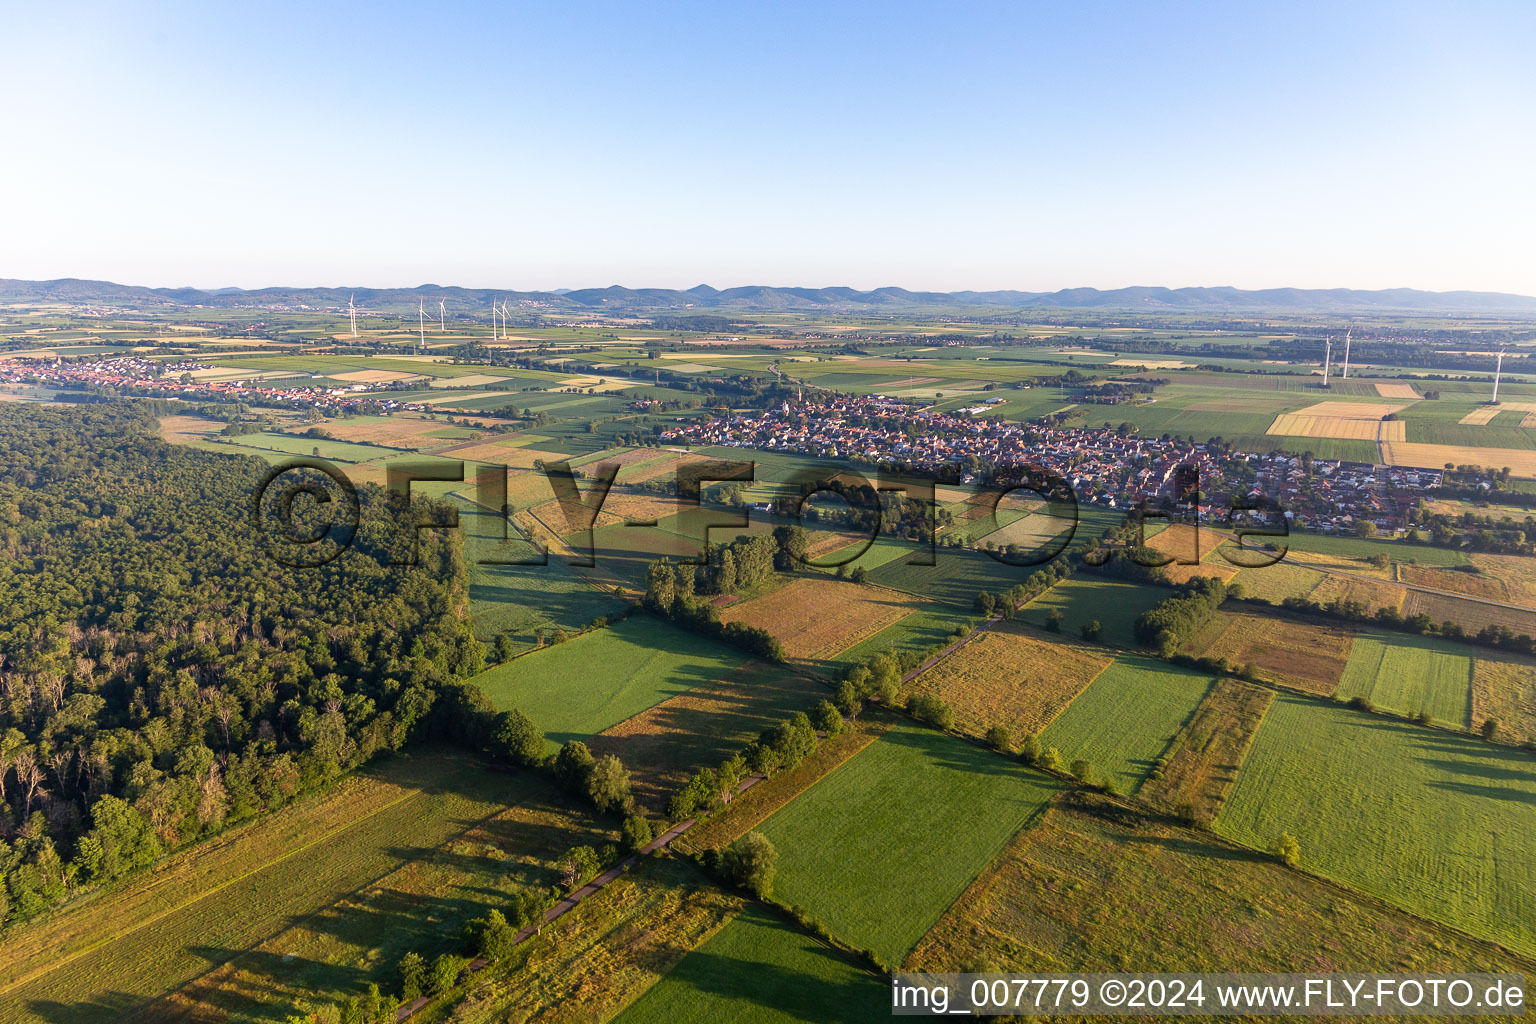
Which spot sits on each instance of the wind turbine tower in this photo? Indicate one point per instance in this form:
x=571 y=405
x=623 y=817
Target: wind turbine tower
x=421 y=323
x=1327 y=358
x=352 y=312
x=1346 y=352
x=442 y=314
x=1499 y=369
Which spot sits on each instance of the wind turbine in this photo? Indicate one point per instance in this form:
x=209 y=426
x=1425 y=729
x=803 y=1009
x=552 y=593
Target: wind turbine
x=442 y=313
x=352 y=312
x=1497 y=371
x=1327 y=357
x=1346 y=352
x=421 y=322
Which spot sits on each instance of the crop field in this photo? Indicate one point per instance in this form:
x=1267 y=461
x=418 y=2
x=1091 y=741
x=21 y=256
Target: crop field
x=956 y=577
x=1397 y=391
x=1361 y=549
x=215 y=901
x=1406 y=673
x=665 y=744
x=881 y=550
x=339 y=451
x=331 y=953
x=816 y=617
x=1193 y=545
x=522 y=600
x=1275 y=583
x=1470 y=615
x=1520 y=462
x=1309 y=654
x=1171 y=899
x=931 y=625
x=1009 y=674
x=1114 y=604
x=1344 y=428
x=1504 y=689
x=590 y=963
x=1371 y=593
x=1205 y=758
x=1127 y=718
x=760 y=969
x=1517 y=573
x=603 y=677
x=1472 y=584
x=884 y=843
x=1433 y=822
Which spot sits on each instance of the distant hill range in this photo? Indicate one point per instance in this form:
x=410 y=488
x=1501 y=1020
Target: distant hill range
x=759 y=298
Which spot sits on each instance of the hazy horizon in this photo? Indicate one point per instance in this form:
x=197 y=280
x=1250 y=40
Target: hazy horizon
x=978 y=148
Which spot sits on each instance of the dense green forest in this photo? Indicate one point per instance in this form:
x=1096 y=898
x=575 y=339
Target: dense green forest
x=161 y=676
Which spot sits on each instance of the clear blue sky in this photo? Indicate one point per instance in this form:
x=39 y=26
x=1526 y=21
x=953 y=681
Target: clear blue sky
x=1016 y=145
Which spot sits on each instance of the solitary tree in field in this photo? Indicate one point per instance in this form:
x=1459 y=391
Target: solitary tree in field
x=750 y=862
x=1092 y=629
x=1490 y=728
x=999 y=738
x=1288 y=850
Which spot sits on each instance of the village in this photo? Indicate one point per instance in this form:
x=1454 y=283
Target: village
x=1108 y=468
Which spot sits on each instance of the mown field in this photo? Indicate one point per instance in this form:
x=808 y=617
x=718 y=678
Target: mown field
x=883 y=844
x=1010 y=674
x=1437 y=823
x=1091 y=888
x=151 y=933
x=816 y=617
x=1126 y=718
x=760 y=969
x=603 y=677
x=1309 y=654
x=1409 y=674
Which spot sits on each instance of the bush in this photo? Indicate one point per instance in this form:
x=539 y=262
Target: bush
x=413 y=975
x=1029 y=749
x=445 y=973
x=637 y=831
x=1288 y=850
x=931 y=710
x=608 y=784
x=490 y=936
x=1000 y=739
x=1050 y=760
x=1083 y=771
x=749 y=862
x=1490 y=728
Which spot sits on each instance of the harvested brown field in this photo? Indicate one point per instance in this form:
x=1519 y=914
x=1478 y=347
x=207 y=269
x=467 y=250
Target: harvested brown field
x=665 y=744
x=496 y=454
x=1371 y=593
x=1516 y=572
x=1372 y=411
x=393 y=431
x=1504 y=689
x=1457 y=582
x=1011 y=675
x=1480 y=417
x=819 y=617
x=823 y=542
x=1397 y=391
x=1306 y=653
x=642 y=508
x=1031 y=533
x=471 y=380
x=1209 y=749
x=375 y=376
x=1471 y=616
x=180 y=429
x=1341 y=427
x=1521 y=462
x=564 y=517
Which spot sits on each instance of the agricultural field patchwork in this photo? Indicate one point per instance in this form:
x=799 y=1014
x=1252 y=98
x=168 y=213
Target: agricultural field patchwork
x=665 y=744
x=1430 y=821
x=816 y=617
x=1205 y=757
x=216 y=902
x=1176 y=900
x=760 y=969
x=1126 y=719
x=1504 y=690
x=881 y=846
x=1411 y=674
x=603 y=677
x=1011 y=675
x=1470 y=615
x=1309 y=654
x=1084 y=598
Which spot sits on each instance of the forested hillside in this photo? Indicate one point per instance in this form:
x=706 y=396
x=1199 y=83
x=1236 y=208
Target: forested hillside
x=160 y=675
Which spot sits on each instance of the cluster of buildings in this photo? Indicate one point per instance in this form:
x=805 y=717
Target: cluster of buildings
x=179 y=381
x=1103 y=467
